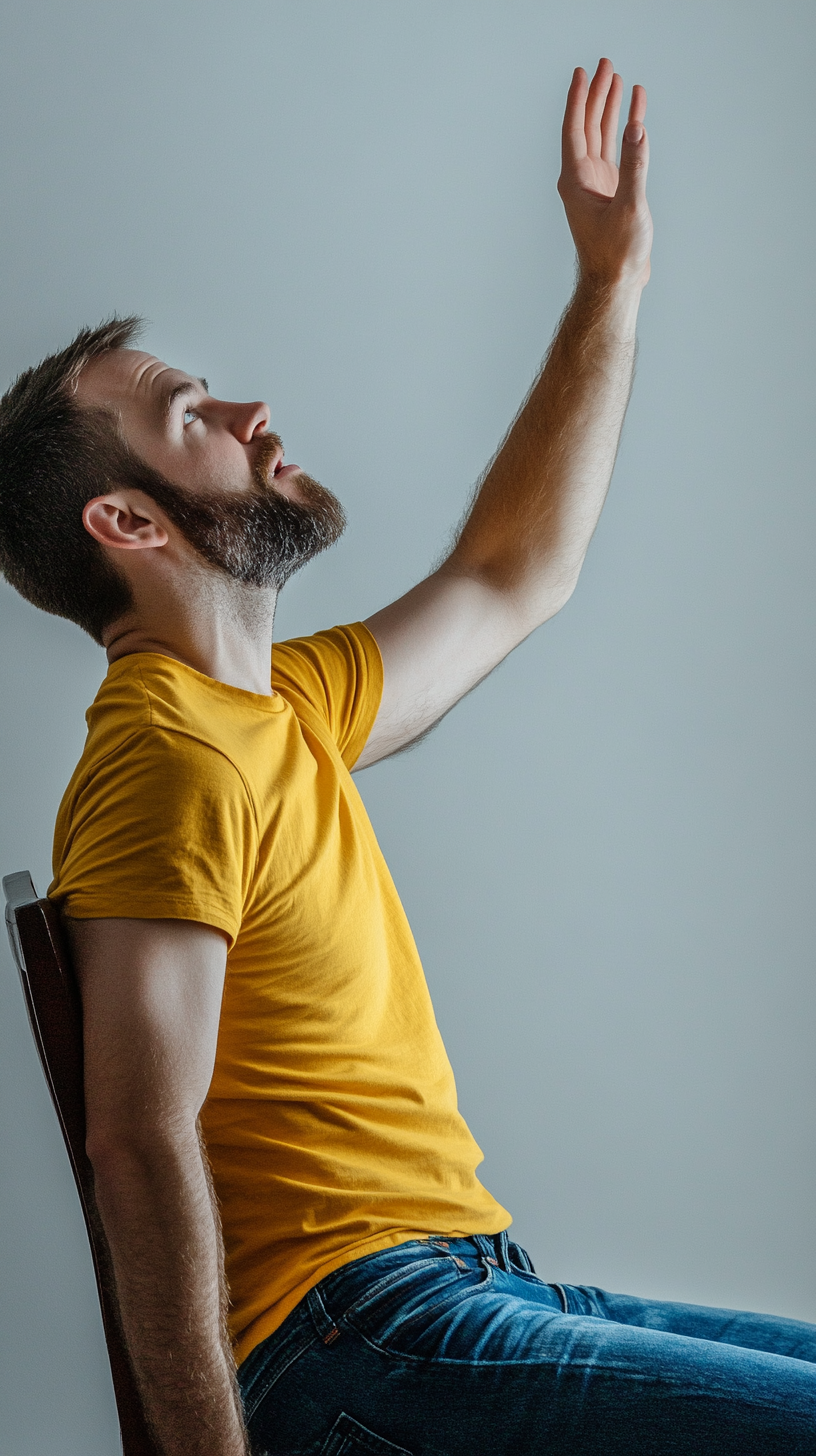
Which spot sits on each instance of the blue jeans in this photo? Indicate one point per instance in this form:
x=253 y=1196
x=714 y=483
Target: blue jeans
x=453 y=1347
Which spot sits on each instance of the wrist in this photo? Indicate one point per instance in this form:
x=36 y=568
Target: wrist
x=616 y=284
x=616 y=298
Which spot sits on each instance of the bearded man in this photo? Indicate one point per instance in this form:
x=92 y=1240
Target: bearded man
x=286 y=1185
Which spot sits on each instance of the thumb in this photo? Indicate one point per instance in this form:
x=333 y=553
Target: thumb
x=634 y=163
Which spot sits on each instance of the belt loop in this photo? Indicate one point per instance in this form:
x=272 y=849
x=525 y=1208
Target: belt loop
x=501 y=1243
x=321 y=1319
x=562 y=1295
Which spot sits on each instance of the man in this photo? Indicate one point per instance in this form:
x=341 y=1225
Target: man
x=253 y=1002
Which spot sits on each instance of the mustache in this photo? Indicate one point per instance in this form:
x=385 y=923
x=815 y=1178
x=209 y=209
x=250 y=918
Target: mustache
x=267 y=448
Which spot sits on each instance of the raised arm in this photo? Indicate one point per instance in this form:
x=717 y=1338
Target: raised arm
x=151 y=997
x=519 y=552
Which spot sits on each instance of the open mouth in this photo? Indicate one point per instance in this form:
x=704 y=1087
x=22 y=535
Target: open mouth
x=269 y=460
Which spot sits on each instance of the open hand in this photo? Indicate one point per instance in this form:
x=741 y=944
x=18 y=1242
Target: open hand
x=606 y=206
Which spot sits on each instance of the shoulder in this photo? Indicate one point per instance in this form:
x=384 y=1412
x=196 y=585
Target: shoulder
x=157 y=823
x=153 y=709
x=157 y=746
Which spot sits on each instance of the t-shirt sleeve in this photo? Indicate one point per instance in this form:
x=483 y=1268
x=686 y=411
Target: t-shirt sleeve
x=338 y=676
x=163 y=829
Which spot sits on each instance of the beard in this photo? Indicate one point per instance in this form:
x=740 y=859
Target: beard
x=262 y=538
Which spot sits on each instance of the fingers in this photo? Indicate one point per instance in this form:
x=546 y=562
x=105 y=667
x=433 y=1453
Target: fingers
x=573 y=137
x=637 y=108
x=592 y=113
x=609 y=120
x=596 y=102
x=634 y=160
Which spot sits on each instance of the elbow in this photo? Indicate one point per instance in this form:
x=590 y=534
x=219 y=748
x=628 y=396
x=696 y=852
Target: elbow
x=111 y=1150
x=121 y=1150
x=558 y=594
x=535 y=605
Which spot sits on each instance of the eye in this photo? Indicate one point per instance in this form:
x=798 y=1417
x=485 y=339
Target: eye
x=189 y=416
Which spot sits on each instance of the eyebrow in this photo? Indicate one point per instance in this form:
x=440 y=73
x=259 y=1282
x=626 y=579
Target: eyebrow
x=168 y=397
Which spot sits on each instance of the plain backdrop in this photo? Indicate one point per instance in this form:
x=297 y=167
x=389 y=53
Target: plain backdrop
x=348 y=208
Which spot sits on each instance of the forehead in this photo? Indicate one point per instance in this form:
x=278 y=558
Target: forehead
x=128 y=380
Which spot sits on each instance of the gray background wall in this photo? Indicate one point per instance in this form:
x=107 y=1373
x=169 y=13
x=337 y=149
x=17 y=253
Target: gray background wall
x=607 y=852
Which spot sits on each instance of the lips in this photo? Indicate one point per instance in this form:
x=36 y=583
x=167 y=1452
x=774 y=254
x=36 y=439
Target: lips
x=268 y=465
x=278 y=468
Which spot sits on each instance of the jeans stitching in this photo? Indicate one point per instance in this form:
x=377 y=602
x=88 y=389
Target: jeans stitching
x=252 y=1398
x=384 y=1284
x=455 y=1277
x=357 y=1439
x=425 y=1312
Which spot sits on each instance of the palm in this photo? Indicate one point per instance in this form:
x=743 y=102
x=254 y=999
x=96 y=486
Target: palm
x=597 y=175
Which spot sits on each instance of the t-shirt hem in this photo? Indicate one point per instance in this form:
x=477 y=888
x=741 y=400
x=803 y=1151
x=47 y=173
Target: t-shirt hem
x=94 y=907
x=266 y=1324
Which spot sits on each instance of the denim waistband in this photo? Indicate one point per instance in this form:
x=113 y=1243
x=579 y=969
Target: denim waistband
x=316 y=1316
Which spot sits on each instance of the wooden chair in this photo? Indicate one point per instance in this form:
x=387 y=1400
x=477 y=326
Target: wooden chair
x=55 y=1013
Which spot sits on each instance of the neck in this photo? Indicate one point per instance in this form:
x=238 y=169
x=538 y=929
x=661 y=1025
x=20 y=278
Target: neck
x=220 y=627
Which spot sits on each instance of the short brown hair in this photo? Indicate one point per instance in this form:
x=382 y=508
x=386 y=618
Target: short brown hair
x=54 y=458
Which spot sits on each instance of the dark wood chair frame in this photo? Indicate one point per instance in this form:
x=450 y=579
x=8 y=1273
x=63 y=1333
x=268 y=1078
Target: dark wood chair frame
x=55 y=1013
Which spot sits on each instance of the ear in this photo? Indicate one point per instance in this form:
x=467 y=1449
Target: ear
x=113 y=520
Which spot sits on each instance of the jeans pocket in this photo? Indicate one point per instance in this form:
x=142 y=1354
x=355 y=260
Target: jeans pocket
x=347 y=1436
x=397 y=1314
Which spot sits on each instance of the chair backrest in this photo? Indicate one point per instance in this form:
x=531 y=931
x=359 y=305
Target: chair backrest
x=55 y=1013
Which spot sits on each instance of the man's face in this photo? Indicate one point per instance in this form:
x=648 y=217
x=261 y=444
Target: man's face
x=222 y=481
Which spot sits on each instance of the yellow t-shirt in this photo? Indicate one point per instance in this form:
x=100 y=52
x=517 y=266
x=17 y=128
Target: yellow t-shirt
x=331 y=1121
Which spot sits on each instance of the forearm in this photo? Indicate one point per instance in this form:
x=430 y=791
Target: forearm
x=164 y=1235
x=532 y=520
x=518 y=554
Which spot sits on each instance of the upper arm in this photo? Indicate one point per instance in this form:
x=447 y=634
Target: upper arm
x=151 y=1002
x=437 y=642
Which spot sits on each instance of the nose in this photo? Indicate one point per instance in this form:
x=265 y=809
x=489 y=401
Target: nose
x=247 y=420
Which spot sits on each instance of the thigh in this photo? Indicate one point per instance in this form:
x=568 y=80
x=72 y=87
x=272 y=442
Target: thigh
x=772 y=1333
x=436 y=1358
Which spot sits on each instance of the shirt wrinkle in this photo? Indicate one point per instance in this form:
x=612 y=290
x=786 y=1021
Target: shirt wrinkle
x=332 y=1100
